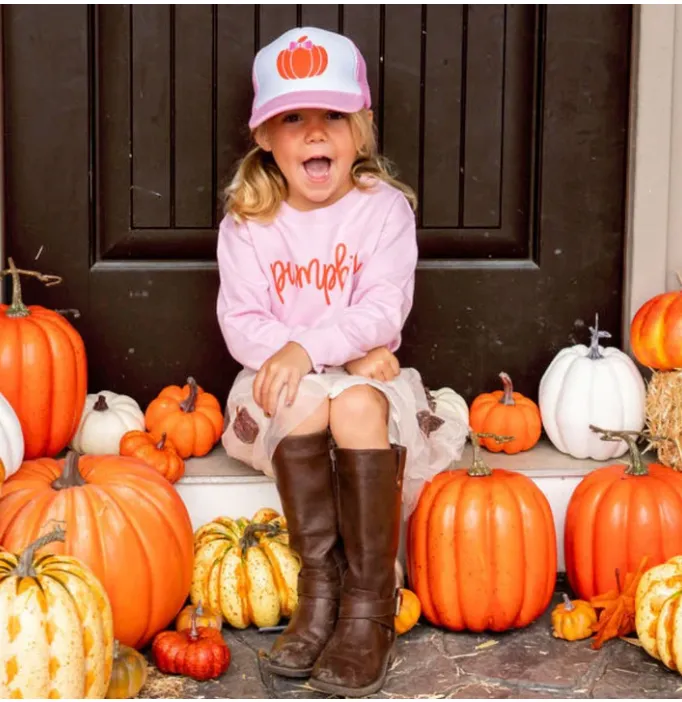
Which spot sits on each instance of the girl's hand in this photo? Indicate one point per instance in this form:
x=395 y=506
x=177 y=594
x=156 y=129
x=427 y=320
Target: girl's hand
x=378 y=364
x=283 y=370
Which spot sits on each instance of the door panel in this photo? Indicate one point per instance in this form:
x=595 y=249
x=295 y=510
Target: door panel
x=124 y=123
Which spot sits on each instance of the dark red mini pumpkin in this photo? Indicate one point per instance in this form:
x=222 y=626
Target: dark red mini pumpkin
x=198 y=652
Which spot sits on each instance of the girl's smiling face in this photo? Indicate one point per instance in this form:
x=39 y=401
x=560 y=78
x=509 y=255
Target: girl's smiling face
x=315 y=150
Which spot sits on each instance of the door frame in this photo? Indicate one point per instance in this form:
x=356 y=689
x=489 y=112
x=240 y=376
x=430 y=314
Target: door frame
x=652 y=252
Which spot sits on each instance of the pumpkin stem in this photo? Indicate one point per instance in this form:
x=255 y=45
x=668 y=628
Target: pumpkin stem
x=101 y=404
x=568 y=605
x=637 y=465
x=188 y=404
x=18 y=308
x=25 y=567
x=479 y=468
x=162 y=442
x=193 y=633
x=250 y=536
x=117 y=649
x=508 y=397
x=70 y=476
x=594 y=353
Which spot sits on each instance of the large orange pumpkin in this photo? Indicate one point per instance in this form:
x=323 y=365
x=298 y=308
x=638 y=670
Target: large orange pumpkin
x=481 y=549
x=122 y=519
x=190 y=418
x=656 y=332
x=505 y=412
x=43 y=370
x=617 y=515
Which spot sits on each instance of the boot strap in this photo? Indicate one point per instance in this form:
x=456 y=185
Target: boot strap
x=323 y=589
x=352 y=608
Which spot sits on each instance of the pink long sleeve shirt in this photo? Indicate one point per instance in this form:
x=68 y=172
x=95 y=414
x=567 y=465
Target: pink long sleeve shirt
x=337 y=280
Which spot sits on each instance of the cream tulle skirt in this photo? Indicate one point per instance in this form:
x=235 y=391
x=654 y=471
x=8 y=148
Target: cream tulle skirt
x=432 y=426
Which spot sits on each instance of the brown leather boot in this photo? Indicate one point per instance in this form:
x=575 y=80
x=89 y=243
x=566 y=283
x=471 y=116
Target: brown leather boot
x=305 y=481
x=355 y=661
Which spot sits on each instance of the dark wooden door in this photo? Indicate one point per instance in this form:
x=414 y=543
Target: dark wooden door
x=122 y=123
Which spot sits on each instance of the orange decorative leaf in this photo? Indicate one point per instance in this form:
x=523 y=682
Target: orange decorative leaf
x=617 y=616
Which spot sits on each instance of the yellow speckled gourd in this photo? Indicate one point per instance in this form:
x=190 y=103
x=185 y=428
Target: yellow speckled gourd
x=658 y=616
x=56 y=627
x=246 y=570
x=129 y=673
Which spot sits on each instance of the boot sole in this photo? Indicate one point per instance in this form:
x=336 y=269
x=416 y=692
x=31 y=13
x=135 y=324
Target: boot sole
x=344 y=691
x=288 y=672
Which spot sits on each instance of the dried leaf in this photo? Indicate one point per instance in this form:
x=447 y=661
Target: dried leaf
x=617 y=616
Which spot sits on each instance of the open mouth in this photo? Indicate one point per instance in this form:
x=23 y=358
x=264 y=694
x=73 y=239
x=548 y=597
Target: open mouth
x=317 y=168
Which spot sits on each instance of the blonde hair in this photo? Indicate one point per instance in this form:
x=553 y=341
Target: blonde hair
x=258 y=187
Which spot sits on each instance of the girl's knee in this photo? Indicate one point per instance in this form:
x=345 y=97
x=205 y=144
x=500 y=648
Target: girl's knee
x=314 y=422
x=360 y=404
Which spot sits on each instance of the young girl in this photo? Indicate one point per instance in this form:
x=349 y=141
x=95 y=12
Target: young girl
x=317 y=255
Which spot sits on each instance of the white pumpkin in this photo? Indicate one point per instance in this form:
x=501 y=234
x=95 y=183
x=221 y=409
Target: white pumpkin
x=11 y=438
x=591 y=385
x=450 y=404
x=106 y=418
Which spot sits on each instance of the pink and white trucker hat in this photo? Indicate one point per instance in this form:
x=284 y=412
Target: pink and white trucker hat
x=308 y=67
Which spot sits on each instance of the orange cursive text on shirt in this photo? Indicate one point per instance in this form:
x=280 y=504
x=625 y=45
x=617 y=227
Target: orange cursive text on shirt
x=324 y=276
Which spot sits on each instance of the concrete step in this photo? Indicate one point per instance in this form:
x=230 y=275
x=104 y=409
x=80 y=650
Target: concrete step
x=217 y=485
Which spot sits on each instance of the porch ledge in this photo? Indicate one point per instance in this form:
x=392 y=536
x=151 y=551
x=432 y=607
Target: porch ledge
x=543 y=461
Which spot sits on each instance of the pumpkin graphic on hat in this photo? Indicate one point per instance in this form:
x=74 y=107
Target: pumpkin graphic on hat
x=302 y=59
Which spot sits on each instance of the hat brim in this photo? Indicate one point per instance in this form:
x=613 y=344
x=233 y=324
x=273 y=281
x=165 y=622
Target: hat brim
x=312 y=99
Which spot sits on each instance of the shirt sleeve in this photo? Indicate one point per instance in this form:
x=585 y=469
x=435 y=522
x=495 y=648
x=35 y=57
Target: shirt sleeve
x=381 y=299
x=251 y=331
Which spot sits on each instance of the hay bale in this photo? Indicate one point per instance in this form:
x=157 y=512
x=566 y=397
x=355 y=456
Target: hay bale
x=664 y=415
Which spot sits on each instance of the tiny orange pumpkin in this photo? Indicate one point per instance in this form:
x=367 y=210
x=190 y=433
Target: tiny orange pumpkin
x=204 y=616
x=505 y=412
x=190 y=417
x=159 y=453
x=573 y=619
x=410 y=611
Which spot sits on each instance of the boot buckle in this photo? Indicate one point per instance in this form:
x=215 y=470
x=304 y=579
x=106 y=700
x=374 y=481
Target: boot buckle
x=398 y=601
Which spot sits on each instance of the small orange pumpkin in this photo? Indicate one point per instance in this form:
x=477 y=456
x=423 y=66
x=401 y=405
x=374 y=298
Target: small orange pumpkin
x=160 y=454
x=410 y=611
x=656 y=332
x=505 y=412
x=204 y=616
x=191 y=418
x=573 y=619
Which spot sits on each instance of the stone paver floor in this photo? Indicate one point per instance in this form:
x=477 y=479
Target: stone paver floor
x=432 y=663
